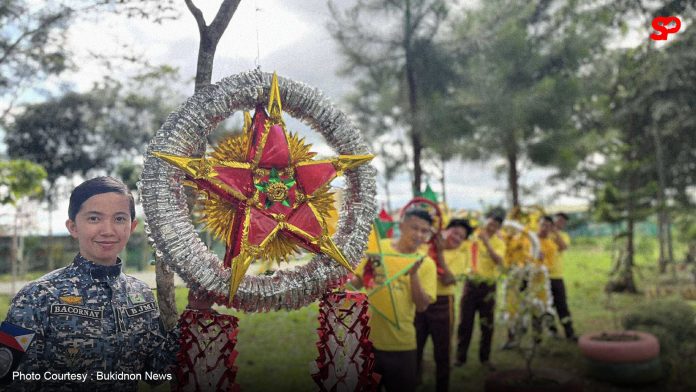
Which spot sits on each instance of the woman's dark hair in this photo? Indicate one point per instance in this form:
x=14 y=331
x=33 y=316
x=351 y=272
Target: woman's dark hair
x=97 y=186
x=418 y=213
x=547 y=218
x=496 y=218
x=461 y=223
x=563 y=215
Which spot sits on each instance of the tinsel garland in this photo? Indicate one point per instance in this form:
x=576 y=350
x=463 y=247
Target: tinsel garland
x=168 y=221
x=345 y=361
x=205 y=361
x=520 y=307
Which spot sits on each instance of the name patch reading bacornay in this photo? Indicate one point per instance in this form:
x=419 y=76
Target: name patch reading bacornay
x=72 y=310
x=140 y=309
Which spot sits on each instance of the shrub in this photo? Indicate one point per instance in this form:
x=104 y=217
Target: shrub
x=673 y=322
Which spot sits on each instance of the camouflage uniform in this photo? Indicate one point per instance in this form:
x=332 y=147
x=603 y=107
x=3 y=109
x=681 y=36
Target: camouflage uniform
x=90 y=318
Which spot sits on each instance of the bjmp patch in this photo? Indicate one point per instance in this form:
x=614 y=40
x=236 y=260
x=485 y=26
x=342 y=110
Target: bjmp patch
x=140 y=309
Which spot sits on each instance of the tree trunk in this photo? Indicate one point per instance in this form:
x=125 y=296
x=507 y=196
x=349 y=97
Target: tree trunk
x=624 y=281
x=206 y=56
x=663 y=225
x=387 y=194
x=417 y=169
x=209 y=38
x=442 y=183
x=670 y=247
x=13 y=252
x=416 y=141
x=21 y=221
x=513 y=176
x=662 y=259
x=626 y=274
x=21 y=260
x=164 y=278
x=51 y=261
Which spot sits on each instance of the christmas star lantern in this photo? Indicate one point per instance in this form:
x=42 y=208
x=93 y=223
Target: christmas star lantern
x=266 y=197
x=269 y=194
x=264 y=193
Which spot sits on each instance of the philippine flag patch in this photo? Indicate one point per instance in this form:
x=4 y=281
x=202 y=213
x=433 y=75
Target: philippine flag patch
x=14 y=342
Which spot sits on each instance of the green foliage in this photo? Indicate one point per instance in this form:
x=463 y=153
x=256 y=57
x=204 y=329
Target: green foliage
x=673 y=322
x=403 y=70
x=522 y=81
x=688 y=234
x=129 y=173
x=18 y=179
x=642 y=123
x=33 y=42
x=80 y=133
x=32 y=45
x=4 y=304
x=59 y=135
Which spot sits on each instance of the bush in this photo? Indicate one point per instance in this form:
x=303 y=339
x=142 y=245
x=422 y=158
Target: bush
x=673 y=322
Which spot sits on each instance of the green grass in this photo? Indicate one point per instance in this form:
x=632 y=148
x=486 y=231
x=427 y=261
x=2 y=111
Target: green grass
x=276 y=349
x=29 y=276
x=4 y=304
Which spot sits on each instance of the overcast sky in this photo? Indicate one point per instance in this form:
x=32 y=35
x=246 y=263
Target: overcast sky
x=292 y=40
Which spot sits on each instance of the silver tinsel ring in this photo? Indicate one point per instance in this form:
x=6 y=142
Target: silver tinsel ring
x=168 y=224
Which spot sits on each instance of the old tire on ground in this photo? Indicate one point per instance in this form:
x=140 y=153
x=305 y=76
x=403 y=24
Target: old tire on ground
x=647 y=347
x=629 y=373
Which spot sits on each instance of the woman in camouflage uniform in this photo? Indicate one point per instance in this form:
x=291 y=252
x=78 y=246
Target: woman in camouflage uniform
x=95 y=328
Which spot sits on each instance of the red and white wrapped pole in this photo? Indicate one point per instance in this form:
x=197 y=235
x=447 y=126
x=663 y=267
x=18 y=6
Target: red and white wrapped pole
x=205 y=361
x=345 y=361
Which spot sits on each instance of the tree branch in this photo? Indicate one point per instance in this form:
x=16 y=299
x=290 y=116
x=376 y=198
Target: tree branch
x=198 y=15
x=28 y=33
x=222 y=18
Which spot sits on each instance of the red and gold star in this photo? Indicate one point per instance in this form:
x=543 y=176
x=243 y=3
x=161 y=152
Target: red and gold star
x=266 y=195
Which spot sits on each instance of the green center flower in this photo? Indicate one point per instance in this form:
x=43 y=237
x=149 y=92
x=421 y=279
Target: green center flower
x=276 y=189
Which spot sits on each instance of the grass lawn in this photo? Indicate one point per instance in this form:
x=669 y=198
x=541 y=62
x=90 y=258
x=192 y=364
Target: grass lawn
x=276 y=349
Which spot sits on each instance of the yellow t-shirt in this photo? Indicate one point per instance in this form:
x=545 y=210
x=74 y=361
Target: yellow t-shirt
x=384 y=334
x=484 y=267
x=460 y=265
x=457 y=261
x=550 y=257
x=557 y=271
x=565 y=237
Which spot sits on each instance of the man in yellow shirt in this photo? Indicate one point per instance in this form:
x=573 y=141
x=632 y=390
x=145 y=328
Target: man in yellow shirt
x=437 y=320
x=395 y=343
x=555 y=265
x=551 y=244
x=487 y=251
